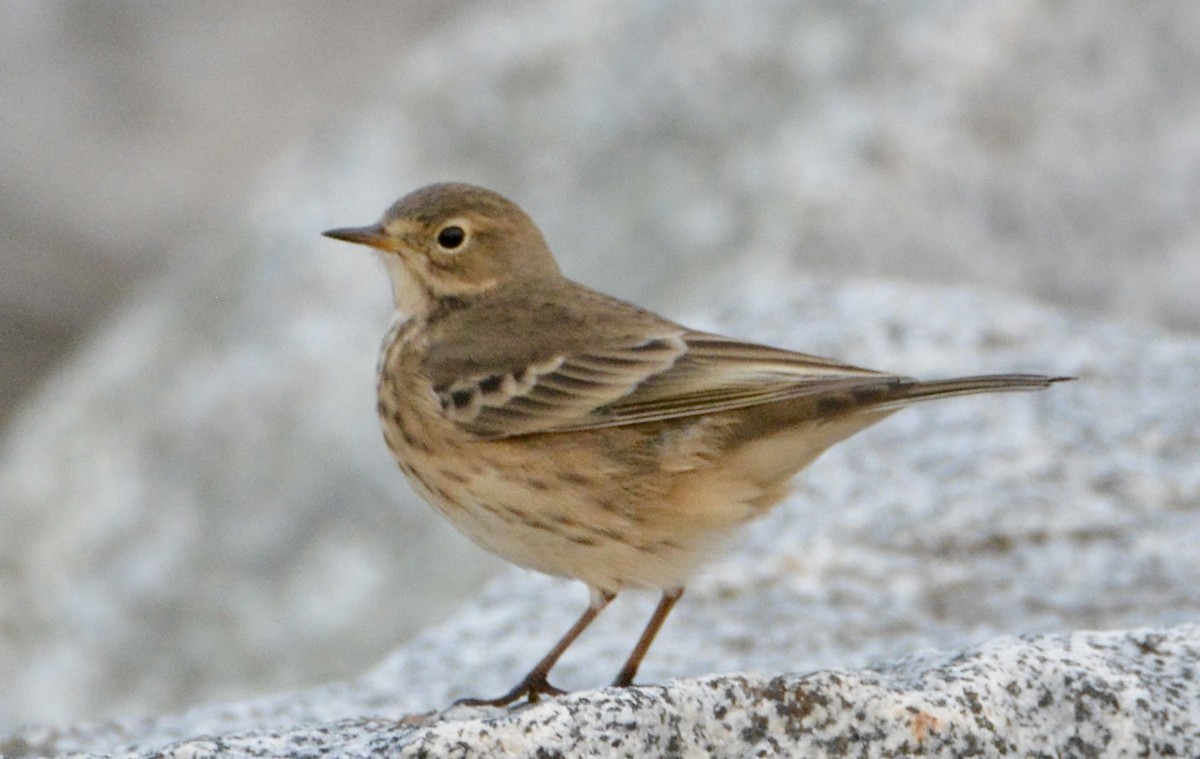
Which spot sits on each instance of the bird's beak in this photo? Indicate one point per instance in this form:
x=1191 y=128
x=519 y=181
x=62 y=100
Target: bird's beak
x=374 y=236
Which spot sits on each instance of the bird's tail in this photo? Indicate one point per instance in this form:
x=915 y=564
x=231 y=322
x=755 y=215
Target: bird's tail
x=904 y=393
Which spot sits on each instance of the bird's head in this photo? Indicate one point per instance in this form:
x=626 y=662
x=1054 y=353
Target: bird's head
x=453 y=241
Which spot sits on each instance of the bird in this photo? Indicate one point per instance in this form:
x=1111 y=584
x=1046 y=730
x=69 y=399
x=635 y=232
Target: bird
x=582 y=436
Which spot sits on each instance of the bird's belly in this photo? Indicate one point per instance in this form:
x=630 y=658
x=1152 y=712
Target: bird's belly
x=557 y=528
x=575 y=506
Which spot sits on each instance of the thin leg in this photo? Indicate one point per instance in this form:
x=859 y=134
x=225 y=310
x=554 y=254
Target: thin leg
x=535 y=683
x=665 y=604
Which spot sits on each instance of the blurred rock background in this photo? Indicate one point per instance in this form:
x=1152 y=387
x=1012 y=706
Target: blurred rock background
x=193 y=500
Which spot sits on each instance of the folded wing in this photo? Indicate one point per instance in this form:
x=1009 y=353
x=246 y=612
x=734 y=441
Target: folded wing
x=672 y=374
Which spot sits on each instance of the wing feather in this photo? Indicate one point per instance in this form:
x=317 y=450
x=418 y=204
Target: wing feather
x=679 y=373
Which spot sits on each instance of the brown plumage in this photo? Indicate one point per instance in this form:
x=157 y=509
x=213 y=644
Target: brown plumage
x=582 y=436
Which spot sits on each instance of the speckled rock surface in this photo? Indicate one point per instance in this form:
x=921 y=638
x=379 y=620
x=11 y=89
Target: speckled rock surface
x=1082 y=694
x=948 y=527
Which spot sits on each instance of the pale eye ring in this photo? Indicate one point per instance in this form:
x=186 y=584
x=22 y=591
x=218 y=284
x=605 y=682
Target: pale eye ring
x=451 y=237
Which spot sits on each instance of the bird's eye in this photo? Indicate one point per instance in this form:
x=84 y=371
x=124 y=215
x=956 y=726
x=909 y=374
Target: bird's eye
x=451 y=237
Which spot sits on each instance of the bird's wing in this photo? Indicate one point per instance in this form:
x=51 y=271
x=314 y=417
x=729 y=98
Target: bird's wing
x=671 y=372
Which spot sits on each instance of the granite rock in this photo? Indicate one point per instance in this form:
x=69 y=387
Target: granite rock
x=1125 y=693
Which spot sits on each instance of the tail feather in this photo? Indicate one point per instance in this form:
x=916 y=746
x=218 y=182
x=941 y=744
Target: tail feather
x=905 y=393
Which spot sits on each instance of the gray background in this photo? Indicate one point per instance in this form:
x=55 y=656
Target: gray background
x=166 y=171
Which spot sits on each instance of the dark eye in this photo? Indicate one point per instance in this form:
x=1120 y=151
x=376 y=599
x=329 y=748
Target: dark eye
x=451 y=237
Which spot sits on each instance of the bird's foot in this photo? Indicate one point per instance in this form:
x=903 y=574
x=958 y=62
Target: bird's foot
x=533 y=687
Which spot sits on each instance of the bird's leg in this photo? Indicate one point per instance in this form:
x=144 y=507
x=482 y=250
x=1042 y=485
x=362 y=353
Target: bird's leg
x=665 y=604
x=535 y=683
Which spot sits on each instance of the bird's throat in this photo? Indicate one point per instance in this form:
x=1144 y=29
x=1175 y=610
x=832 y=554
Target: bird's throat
x=410 y=296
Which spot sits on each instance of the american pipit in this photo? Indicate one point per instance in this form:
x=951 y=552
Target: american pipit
x=583 y=436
